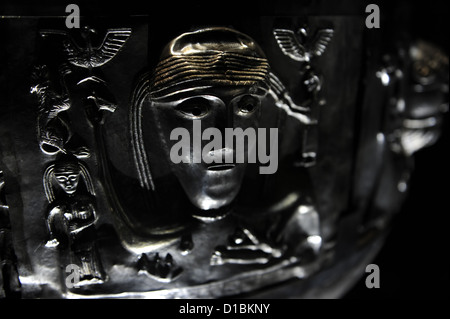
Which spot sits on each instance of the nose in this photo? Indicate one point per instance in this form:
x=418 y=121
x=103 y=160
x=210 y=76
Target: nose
x=222 y=159
x=223 y=155
x=224 y=119
x=224 y=116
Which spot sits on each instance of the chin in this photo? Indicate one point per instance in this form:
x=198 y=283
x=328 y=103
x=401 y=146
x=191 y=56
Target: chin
x=215 y=196
x=209 y=203
x=211 y=209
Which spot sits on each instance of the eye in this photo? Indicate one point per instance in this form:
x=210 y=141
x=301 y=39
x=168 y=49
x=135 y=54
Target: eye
x=247 y=104
x=194 y=108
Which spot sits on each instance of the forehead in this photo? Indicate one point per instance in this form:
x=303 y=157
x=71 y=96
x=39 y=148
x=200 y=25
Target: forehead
x=66 y=171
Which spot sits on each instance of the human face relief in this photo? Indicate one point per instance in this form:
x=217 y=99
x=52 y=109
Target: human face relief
x=68 y=179
x=208 y=169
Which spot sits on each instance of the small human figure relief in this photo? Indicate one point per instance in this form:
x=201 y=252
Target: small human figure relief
x=71 y=216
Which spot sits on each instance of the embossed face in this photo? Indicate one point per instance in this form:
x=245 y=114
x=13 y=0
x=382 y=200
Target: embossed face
x=68 y=178
x=205 y=172
x=208 y=82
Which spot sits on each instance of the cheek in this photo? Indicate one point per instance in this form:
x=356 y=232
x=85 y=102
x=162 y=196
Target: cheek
x=251 y=120
x=247 y=119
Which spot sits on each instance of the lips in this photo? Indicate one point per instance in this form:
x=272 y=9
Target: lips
x=70 y=189
x=220 y=167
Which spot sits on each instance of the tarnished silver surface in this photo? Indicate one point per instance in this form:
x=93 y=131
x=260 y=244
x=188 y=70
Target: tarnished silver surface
x=98 y=208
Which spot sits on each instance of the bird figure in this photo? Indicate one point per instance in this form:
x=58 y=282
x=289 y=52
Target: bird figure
x=305 y=49
x=89 y=56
